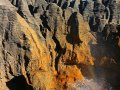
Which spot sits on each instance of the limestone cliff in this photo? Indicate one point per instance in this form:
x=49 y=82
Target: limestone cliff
x=49 y=44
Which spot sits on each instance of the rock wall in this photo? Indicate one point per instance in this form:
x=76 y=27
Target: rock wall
x=49 y=44
x=41 y=49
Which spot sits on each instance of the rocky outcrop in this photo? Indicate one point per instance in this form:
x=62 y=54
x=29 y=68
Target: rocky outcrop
x=42 y=49
x=50 y=44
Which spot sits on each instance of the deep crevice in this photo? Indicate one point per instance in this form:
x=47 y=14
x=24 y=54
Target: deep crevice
x=72 y=3
x=59 y=3
x=31 y=9
x=65 y=5
x=10 y=70
x=58 y=49
x=18 y=83
x=35 y=10
x=19 y=45
x=26 y=58
x=82 y=6
x=44 y=21
x=16 y=2
x=55 y=1
x=61 y=52
x=43 y=31
x=28 y=76
x=6 y=36
x=111 y=15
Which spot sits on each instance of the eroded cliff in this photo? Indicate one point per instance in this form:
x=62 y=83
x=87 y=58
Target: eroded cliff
x=49 y=44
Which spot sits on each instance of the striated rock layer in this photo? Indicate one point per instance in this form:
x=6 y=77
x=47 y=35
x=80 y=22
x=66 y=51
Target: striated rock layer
x=49 y=44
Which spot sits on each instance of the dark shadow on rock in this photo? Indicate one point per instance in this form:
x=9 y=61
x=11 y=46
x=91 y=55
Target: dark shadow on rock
x=82 y=6
x=31 y=9
x=15 y=3
x=65 y=5
x=73 y=34
x=58 y=49
x=44 y=19
x=35 y=10
x=72 y=3
x=18 y=83
x=91 y=23
x=59 y=3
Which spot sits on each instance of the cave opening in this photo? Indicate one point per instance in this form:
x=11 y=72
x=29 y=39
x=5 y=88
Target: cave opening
x=18 y=83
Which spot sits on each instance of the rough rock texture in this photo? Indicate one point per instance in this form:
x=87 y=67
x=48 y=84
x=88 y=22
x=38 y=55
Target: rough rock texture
x=44 y=55
x=49 y=44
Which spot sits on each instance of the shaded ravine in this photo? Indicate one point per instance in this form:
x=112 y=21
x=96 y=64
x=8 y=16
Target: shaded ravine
x=104 y=75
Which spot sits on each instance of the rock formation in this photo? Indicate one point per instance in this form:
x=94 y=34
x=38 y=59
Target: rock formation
x=49 y=44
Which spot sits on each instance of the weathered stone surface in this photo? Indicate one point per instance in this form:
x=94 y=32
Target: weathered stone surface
x=43 y=64
x=49 y=44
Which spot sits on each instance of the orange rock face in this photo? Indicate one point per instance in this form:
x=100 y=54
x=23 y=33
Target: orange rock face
x=46 y=50
x=40 y=59
x=52 y=62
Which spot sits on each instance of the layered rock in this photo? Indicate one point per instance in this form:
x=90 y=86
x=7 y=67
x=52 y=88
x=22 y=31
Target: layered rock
x=47 y=44
x=42 y=53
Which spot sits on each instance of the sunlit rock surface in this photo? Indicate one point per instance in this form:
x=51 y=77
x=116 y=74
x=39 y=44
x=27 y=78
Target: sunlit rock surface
x=57 y=44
